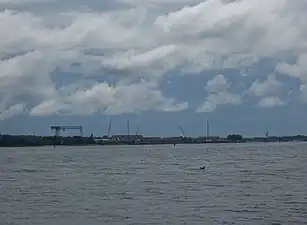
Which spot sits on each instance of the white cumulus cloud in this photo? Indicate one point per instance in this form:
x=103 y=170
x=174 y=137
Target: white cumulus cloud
x=270 y=102
x=269 y=86
x=218 y=89
x=127 y=41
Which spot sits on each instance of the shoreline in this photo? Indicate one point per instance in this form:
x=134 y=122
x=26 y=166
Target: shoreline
x=36 y=141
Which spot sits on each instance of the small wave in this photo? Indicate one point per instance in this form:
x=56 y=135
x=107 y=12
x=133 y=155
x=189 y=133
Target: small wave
x=242 y=211
x=27 y=171
x=67 y=159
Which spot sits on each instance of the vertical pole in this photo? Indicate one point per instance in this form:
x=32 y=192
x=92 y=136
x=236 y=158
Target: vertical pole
x=128 y=129
x=208 y=131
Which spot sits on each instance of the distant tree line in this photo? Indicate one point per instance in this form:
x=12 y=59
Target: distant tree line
x=235 y=137
x=29 y=140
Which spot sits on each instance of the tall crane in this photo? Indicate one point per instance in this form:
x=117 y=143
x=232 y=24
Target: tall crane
x=110 y=125
x=182 y=131
x=58 y=129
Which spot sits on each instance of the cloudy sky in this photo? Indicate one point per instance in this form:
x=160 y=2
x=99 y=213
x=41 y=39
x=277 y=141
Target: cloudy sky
x=242 y=64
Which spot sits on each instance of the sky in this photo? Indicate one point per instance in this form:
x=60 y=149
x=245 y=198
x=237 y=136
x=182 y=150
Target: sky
x=162 y=64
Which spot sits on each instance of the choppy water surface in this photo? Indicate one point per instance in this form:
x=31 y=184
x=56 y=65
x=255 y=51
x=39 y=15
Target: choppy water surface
x=243 y=184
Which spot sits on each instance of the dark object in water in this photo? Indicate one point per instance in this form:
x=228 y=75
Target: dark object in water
x=202 y=168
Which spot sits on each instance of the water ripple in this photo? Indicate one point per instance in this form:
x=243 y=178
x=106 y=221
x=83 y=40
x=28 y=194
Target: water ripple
x=242 y=184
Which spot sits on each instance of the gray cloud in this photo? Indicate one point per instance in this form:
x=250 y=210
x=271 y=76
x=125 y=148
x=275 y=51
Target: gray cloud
x=138 y=40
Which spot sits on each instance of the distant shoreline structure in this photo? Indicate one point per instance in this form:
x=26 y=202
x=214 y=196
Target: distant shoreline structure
x=32 y=140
